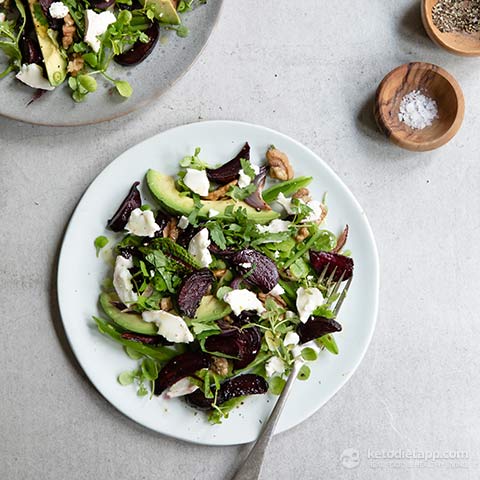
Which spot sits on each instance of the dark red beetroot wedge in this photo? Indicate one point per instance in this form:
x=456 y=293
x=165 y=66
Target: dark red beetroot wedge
x=248 y=384
x=317 y=327
x=145 y=339
x=242 y=344
x=262 y=272
x=343 y=264
x=182 y=366
x=256 y=200
x=102 y=4
x=130 y=202
x=140 y=51
x=193 y=290
x=228 y=172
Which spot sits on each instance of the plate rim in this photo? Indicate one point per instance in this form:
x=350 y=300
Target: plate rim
x=139 y=105
x=371 y=237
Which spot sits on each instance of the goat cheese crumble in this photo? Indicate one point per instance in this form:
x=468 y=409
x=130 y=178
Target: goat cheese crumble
x=122 y=280
x=142 y=223
x=198 y=248
x=241 y=300
x=170 y=326
x=197 y=181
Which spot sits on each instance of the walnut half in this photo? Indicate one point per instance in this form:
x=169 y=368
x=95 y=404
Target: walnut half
x=279 y=164
x=220 y=366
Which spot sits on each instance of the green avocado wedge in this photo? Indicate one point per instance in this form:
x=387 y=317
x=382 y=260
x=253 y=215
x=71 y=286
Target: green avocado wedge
x=164 y=10
x=164 y=190
x=129 y=321
x=210 y=309
x=55 y=61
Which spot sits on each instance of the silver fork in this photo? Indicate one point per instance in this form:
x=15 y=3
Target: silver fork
x=252 y=465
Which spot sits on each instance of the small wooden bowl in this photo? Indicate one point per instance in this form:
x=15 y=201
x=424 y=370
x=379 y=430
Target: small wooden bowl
x=464 y=44
x=432 y=81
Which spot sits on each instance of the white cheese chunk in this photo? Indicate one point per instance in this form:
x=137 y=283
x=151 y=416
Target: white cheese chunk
x=277 y=290
x=183 y=222
x=2 y=16
x=198 y=247
x=181 y=388
x=213 y=213
x=285 y=202
x=58 y=10
x=122 y=280
x=274 y=366
x=316 y=213
x=244 y=180
x=291 y=338
x=275 y=226
x=142 y=223
x=197 y=181
x=96 y=24
x=170 y=326
x=308 y=299
x=32 y=75
x=241 y=300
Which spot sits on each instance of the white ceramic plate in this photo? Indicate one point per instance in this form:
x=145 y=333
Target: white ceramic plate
x=80 y=274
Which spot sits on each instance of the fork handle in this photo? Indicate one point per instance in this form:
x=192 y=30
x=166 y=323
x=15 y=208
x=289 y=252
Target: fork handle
x=252 y=465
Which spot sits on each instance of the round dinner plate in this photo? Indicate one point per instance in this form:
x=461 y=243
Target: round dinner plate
x=170 y=59
x=81 y=273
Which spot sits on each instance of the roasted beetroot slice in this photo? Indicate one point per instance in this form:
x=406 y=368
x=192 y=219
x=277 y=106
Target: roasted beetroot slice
x=193 y=289
x=228 y=172
x=248 y=384
x=145 y=339
x=317 y=327
x=242 y=344
x=320 y=260
x=198 y=400
x=181 y=366
x=256 y=200
x=140 y=51
x=262 y=273
x=130 y=202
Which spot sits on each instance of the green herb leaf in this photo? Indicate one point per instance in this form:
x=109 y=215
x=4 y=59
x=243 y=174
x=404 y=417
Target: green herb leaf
x=100 y=242
x=133 y=354
x=149 y=369
x=304 y=373
x=288 y=188
x=328 y=341
x=277 y=385
x=216 y=234
x=126 y=378
x=309 y=354
x=123 y=88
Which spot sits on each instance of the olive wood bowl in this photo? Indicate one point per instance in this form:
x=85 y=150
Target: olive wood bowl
x=432 y=81
x=465 y=44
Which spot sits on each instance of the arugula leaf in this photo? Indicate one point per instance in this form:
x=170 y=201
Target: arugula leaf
x=220 y=412
x=247 y=168
x=238 y=193
x=288 y=188
x=193 y=161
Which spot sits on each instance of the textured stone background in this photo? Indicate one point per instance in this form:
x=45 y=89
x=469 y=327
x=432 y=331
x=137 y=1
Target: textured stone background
x=310 y=72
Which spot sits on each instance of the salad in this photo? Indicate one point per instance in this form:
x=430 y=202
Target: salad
x=223 y=284
x=48 y=42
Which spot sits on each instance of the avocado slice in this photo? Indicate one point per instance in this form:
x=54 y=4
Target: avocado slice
x=210 y=309
x=164 y=190
x=55 y=61
x=128 y=321
x=165 y=11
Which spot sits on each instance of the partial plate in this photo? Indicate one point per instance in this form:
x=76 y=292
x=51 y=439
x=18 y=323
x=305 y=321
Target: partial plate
x=80 y=275
x=170 y=59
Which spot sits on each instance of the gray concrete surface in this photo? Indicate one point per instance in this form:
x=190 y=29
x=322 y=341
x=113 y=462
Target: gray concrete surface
x=310 y=72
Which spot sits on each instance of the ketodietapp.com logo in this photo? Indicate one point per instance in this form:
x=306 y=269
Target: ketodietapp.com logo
x=406 y=458
x=350 y=458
